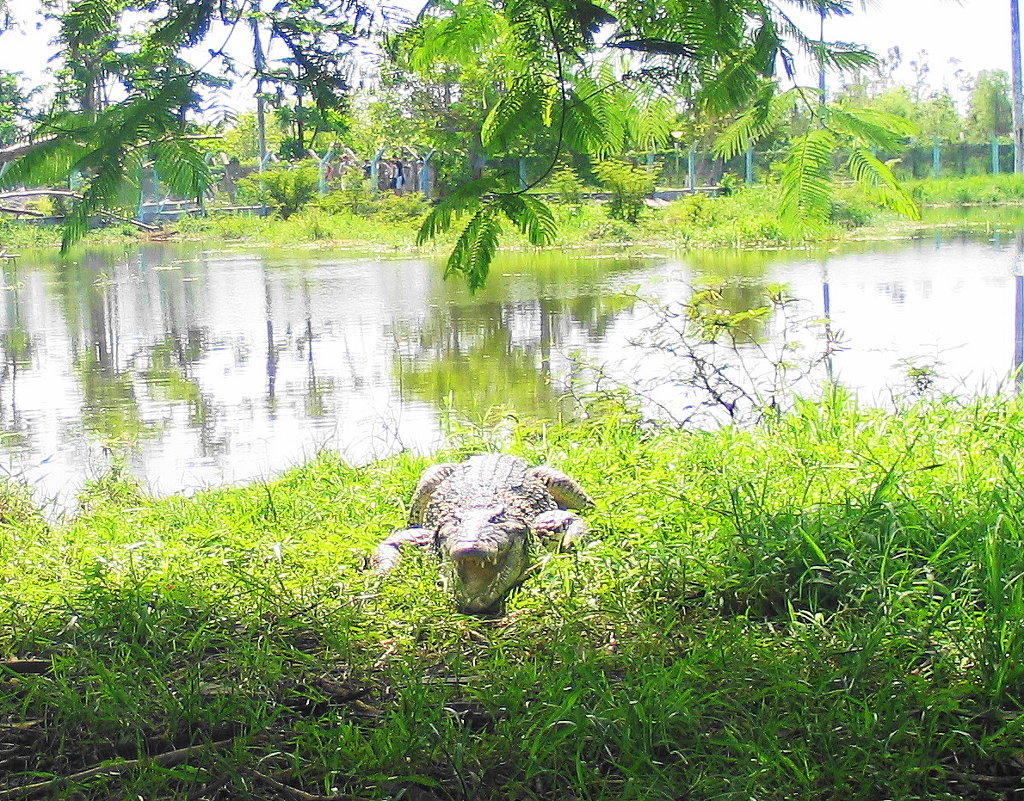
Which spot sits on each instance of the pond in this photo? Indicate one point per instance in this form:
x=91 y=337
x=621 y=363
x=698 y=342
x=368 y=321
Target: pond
x=196 y=367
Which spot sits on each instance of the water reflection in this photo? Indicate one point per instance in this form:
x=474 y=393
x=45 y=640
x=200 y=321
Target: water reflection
x=489 y=356
x=198 y=368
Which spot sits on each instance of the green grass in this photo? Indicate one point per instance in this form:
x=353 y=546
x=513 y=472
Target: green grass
x=988 y=189
x=388 y=223
x=828 y=606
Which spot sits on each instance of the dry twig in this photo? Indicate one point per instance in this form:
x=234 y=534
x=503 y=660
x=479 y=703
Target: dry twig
x=168 y=759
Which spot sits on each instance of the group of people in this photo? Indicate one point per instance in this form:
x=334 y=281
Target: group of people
x=399 y=174
x=402 y=172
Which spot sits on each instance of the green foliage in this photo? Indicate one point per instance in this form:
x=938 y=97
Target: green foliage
x=1003 y=188
x=108 y=150
x=990 y=112
x=566 y=183
x=485 y=209
x=13 y=105
x=561 y=91
x=544 y=77
x=807 y=172
x=286 y=189
x=847 y=577
x=629 y=186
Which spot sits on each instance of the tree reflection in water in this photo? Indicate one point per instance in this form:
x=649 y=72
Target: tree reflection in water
x=203 y=368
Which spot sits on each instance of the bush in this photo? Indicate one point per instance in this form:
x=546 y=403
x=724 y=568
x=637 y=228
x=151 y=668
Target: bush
x=358 y=199
x=567 y=184
x=286 y=188
x=629 y=186
x=355 y=197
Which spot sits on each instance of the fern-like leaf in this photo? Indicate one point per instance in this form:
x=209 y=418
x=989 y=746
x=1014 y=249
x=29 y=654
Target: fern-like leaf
x=463 y=200
x=524 y=93
x=530 y=215
x=806 y=179
x=870 y=127
x=761 y=119
x=475 y=248
x=868 y=170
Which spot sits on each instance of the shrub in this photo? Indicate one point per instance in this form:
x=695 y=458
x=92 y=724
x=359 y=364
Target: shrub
x=355 y=196
x=628 y=184
x=287 y=188
x=567 y=184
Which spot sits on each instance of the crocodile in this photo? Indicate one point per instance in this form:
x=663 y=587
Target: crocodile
x=482 y=518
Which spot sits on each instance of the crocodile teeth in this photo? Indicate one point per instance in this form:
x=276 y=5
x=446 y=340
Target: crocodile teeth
x=479 y=562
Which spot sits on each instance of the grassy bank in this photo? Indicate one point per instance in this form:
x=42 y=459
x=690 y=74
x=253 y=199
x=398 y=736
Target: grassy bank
x=825 y=607
x=975 y=189
x=388 y=223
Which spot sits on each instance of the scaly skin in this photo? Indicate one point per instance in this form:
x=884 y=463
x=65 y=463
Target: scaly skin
x=482 y=517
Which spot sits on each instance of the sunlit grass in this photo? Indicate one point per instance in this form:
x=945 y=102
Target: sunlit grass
x=828 y=606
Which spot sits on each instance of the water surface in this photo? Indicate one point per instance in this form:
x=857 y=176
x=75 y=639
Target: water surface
x=200 y=367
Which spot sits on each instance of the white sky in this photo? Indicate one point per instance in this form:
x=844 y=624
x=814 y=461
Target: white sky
x=972 y=35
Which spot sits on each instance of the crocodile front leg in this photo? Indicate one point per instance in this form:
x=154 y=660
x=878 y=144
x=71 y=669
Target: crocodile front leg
x=559 y=526
x=566 y=491
x=388 y=554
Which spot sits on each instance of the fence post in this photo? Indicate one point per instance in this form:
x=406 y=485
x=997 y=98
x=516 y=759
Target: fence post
x=426 y=179
x=323 y=169
x=691 y=167
x=995 y=155
x=936 y=159
x=749 y=172
x=375 y=171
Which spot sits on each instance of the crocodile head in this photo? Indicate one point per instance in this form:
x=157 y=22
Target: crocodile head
x=484 y=554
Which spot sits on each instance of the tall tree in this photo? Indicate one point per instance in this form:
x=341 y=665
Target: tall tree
x=13 y=108
x=131 y=93
x=990 y=108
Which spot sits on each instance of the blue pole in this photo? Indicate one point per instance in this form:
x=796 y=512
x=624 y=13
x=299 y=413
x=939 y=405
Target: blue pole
x=750 y=165
x=375 y=170
x=936 y=159
x=323 y=169
x=523 y=183
x=426 y=180
x=691 y=168
x=995 y=155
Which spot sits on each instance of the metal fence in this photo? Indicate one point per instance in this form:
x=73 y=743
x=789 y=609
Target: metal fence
x=695 y=168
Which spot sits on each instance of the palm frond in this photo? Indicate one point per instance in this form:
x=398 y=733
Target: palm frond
x=475 y=248
x=806 y=179
x=868 y=170
x=530 y=215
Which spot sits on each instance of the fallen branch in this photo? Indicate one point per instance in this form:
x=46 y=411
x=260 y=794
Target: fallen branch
x=16 y=210
x=24 y=666
x=76 y=196
x=294 y=792
x=166 y=760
